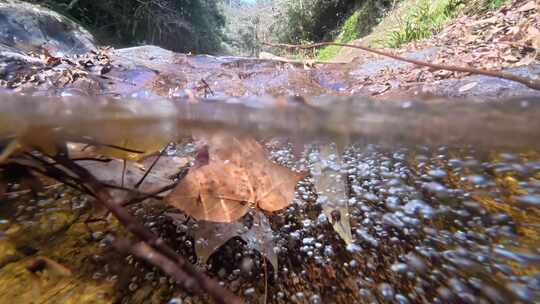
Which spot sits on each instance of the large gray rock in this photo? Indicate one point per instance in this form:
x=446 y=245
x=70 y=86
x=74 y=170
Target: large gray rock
x=26 y=27
x=14 y=62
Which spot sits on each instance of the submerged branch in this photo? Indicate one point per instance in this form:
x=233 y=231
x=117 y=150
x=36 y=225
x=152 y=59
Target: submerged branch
x=196 y=281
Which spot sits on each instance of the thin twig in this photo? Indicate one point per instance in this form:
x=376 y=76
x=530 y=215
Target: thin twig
x=529 y=82
x=124 y=165
x=144 y=197
x=102 y=160
x=90 y=142
x=117 y=187
x=138 y=184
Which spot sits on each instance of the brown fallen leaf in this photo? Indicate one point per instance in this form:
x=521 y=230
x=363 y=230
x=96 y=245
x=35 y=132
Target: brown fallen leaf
x=40 y=264
x=215 y=192
x=238 y=176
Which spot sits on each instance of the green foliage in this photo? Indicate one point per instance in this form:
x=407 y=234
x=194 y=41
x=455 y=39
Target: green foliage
x=423 y=20
x=247 y=26
x=349 y=31
x=298 y=22
x=311 y=20
x=328 y=52
x=179 y=25
x=354 y=27
x=494 y=4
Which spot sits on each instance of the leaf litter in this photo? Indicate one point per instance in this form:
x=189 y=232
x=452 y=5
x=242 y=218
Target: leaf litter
x=506 y=38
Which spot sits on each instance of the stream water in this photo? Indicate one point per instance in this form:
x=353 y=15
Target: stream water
x=442 y=194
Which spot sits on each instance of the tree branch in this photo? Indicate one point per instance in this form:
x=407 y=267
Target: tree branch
x=531 y=83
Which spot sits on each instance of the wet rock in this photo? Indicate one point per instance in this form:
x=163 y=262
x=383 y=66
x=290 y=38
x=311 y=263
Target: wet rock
x=14 y=62
x=386 y=291
x=28 y=27
x=522 y=258
x=391 y=219
x=20 y=285
x=529 y=200
x=418 y=207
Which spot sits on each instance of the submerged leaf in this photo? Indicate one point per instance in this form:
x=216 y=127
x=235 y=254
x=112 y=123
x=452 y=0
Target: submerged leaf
x=238 y=175
x=210 y=236
x=109 y=170
x=274 y=185
x=112 y=172
x=166 y=166
x=216 y=192
x=331 y=191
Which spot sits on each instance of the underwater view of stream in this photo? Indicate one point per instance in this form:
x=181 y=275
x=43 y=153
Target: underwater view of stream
x=442 y=198
x=144 y=159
